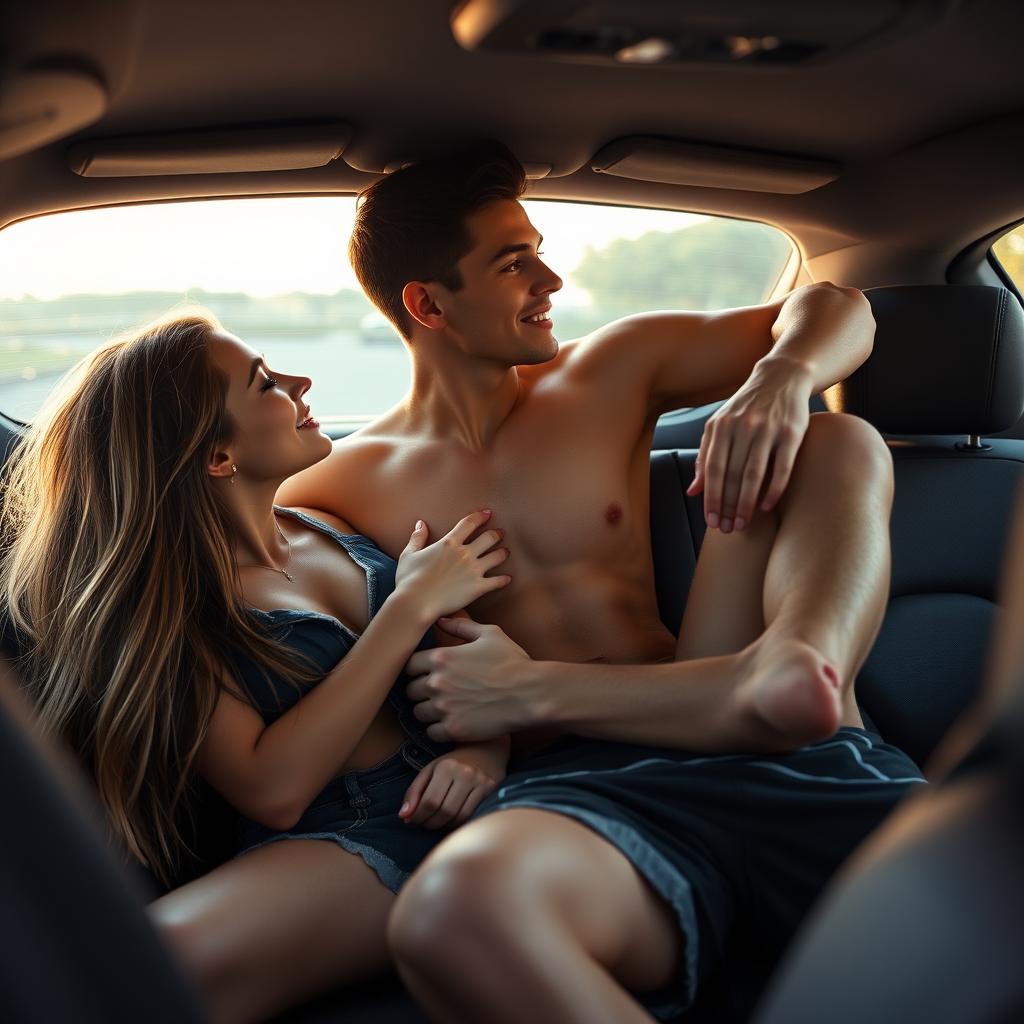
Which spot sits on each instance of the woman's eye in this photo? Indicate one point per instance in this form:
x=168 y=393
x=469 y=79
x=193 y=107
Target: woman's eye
x=270 y=382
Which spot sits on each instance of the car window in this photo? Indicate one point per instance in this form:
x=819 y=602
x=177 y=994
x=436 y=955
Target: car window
x=1009 y=251
x=275 y=272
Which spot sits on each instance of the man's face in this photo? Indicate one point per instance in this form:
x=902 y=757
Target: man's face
x=501 y=311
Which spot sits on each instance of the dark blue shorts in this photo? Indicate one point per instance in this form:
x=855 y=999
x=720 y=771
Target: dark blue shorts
x=359 y=812
x=720 y=837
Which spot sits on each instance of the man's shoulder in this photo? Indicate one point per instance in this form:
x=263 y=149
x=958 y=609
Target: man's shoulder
x=325 y=484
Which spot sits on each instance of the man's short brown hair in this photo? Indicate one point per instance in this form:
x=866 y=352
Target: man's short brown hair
x=410 y=225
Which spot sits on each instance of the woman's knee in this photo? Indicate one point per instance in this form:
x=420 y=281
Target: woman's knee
x=192 y=943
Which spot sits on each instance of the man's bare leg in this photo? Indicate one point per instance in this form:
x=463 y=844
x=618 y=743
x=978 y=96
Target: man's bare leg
x=528 y=915
x=801 y=591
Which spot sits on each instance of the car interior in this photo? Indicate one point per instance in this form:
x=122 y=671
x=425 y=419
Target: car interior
x=884 y=138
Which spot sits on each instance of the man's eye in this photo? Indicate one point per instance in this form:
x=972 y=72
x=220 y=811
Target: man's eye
x=270 y=382
x=514 y=265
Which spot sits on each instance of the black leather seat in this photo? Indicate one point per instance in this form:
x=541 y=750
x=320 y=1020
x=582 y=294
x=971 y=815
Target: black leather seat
x=77 y=945
x=928 y=927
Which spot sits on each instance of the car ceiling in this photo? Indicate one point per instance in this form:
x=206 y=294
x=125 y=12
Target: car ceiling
x=927 y=126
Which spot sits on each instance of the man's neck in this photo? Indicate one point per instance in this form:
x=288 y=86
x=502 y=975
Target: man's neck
x=460 y=398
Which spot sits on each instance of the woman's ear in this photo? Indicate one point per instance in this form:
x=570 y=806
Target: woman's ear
x=220 y=464
x=422 y=305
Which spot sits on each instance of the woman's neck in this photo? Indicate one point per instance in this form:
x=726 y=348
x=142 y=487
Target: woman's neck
x=258 y=539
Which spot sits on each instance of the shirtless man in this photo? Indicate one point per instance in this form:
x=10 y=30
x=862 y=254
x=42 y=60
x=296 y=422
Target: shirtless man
x=612 y=887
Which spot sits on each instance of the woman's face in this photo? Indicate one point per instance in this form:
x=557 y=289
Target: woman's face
x=275 y=435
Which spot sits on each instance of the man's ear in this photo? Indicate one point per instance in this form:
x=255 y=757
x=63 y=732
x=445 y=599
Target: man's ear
x=220 y=464
x=422 y=305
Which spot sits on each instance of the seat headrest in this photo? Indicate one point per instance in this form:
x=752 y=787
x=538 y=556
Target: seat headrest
x=948 y=359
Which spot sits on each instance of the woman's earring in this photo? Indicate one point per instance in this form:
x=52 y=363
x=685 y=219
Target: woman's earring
x=234 y=470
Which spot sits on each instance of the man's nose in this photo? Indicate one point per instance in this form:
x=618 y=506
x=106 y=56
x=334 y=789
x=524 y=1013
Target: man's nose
x=548 y=282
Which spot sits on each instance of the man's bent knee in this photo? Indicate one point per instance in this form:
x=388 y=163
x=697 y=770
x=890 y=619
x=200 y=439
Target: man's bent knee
x=843 y=440
x=453 y=894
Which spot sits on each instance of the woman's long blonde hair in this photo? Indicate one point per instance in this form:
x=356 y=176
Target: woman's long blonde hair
x=120 y=577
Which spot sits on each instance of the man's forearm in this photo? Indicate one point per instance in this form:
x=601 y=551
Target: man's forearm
x=684 y=704
x=826 y=330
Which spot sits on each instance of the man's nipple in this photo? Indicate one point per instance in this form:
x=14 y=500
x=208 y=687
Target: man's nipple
x=613 y=514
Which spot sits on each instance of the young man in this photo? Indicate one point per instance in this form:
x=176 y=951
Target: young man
x=618 y=863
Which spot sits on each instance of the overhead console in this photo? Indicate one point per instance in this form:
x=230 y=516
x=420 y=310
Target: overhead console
x=647 y=158
x=738 y=33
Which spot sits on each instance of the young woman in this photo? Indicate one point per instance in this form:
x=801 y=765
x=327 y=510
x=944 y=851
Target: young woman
x=178 y=624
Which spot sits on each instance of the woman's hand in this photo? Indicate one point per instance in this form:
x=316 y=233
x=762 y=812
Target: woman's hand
x=451 y=573
x=451 y=787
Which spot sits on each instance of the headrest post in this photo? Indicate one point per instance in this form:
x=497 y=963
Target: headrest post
x=974 y=444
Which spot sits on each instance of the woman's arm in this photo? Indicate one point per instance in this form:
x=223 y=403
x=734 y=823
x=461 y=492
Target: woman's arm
x=272 y=773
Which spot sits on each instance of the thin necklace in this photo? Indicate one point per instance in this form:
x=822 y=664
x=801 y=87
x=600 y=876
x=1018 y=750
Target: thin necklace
x=273 y=568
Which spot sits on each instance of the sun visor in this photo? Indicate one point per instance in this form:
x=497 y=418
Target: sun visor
x=670 y=162
x=40 y=105
x=286 y=148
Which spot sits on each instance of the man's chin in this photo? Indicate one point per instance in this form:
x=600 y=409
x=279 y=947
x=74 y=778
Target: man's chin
x=540 y=354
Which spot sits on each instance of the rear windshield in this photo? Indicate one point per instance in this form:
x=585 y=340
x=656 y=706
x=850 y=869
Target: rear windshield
x=275 y=272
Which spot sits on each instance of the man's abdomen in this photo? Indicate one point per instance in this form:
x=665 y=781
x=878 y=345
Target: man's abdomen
x=579 y=614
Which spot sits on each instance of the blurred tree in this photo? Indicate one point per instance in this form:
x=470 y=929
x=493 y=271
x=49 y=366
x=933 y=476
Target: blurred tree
x=716 y=264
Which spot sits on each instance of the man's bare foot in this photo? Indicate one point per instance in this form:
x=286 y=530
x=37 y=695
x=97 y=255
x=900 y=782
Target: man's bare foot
x=792 y=691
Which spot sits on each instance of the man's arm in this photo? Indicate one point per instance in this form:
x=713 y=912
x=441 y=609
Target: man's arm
x=770 y=359
x=489 y=686
x=690 y=359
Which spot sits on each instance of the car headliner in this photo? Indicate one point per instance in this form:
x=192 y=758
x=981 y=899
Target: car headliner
x=927 y=127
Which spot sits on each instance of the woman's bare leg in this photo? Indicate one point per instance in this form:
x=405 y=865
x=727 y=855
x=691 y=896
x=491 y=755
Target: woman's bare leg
x=526 y=914
x=276 y=926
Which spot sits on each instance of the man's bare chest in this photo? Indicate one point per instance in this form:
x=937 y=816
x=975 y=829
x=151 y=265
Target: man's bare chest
x=558 y=502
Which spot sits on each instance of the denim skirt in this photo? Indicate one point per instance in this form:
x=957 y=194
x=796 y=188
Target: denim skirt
x=359 y=811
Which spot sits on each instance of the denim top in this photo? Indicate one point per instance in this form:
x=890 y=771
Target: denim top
x=325 y=640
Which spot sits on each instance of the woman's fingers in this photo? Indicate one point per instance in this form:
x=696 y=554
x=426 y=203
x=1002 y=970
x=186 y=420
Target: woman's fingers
x=485 y=541
x=452 y=804
x=464 y=528
x=473 y=801
x=492 y=558
x=415 y=791
x=433 y=797
x=495 y=583
x=419 y=536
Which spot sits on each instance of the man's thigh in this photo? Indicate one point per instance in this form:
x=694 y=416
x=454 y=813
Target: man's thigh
x=725 y=607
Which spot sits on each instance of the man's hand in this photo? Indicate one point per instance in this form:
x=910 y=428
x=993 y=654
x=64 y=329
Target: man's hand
x=751 y=442
x=477 y=691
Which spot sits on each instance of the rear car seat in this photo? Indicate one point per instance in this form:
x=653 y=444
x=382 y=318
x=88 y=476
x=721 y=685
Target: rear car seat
x=948 y=363
x=947 y=368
